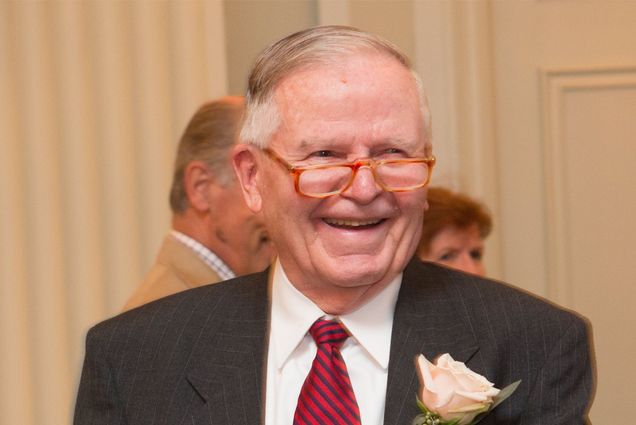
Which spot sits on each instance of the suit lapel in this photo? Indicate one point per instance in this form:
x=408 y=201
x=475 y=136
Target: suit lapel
x=427 y=321
x=227 y=369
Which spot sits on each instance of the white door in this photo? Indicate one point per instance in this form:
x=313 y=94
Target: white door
x=565 y=124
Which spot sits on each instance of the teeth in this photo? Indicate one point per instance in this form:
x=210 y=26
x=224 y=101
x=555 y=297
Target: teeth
x=350 y=223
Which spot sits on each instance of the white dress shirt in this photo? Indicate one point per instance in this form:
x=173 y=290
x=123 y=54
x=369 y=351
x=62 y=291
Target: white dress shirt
x=292 y=350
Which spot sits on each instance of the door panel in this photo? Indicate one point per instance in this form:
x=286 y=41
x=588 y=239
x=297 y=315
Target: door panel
x=565 y=94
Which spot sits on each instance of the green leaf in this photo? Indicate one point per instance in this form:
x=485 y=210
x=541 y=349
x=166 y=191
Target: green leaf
x=505 y=393
x=478 y=418
x=422 y=406
x=419 y=420
x=498 y=399
x=477 y=407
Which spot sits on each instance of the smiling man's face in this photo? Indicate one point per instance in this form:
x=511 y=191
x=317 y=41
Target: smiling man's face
x=359 y=240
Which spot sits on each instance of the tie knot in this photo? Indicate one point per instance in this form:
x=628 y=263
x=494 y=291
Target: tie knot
x=328 y=332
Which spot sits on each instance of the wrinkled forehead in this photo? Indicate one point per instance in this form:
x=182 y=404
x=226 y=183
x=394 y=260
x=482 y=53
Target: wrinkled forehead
x=316 y=70
x=373 y=93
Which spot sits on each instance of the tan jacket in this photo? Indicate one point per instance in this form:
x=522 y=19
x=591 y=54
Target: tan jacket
x=176 y=269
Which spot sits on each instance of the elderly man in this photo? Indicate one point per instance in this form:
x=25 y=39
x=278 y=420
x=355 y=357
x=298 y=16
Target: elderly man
x=336 y=156
x=214 y=234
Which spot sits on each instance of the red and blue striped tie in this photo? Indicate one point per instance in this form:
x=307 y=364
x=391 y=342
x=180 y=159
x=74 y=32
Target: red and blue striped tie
x=326 y=397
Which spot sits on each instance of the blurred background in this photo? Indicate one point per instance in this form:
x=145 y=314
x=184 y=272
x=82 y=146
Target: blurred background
x=533 y=113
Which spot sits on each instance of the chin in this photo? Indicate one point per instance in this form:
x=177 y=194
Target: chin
x=363 y=270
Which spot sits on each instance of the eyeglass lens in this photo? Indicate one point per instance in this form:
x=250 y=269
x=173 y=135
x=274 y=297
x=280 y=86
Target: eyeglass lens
x=393 y=176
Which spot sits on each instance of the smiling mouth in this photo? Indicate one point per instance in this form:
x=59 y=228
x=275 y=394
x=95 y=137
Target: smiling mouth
x=352 y=224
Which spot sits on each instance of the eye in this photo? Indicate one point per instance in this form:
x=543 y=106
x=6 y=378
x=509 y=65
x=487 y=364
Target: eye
x=392 y=153
x=476 y=254
x=447 y=256
x=323 y=154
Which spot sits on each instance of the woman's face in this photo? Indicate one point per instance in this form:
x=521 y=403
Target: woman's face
x=459 y=248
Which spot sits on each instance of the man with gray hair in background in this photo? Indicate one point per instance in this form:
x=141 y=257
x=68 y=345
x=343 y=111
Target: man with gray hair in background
x=214 y=235
x=336 y=154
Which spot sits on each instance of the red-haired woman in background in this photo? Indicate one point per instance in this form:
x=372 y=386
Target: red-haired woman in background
x=454 y=230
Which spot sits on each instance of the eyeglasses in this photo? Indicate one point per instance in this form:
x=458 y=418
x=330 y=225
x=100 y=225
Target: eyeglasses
x=324 y=180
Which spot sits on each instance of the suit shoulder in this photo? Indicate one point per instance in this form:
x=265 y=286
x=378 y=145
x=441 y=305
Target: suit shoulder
x=487 y=299
x=189 y=310
x=519 y=301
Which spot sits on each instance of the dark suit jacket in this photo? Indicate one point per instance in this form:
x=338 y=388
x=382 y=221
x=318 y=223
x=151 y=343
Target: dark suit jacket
x=197 y=357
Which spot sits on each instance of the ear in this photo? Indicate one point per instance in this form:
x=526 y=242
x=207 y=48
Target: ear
x=247 y=169
x=197 y=180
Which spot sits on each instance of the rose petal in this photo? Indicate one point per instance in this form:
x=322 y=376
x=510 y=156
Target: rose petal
x=471 y=408
x=428 y=389
x=445 y=388
x=478 y=396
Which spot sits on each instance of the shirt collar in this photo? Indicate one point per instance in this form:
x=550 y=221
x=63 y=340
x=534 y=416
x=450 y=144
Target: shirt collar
x=293 y=314
x=371 y=324
x=208 y=257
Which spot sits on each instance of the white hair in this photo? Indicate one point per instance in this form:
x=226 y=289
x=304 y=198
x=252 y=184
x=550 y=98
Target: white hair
x=324 y=45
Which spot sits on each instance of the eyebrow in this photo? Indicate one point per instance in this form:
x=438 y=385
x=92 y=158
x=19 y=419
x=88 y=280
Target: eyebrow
x=327 y=143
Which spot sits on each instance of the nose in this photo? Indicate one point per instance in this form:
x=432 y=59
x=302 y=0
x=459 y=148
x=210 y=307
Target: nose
x=363 y=188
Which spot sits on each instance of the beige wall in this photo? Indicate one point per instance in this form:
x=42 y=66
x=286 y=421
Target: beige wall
x=93 y=96
x=252 y=25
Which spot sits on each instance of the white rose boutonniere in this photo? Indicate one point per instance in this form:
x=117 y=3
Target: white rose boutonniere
x=452 y=394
